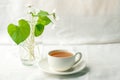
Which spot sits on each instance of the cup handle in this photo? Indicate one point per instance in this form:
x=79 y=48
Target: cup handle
x=79 y=54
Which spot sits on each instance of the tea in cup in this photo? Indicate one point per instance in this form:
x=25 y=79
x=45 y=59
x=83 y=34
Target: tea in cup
x=62 y=60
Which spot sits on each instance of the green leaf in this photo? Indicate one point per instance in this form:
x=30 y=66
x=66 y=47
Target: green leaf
x=43 y=13
x=44 y=20
x=39 y=28
x=19 y=33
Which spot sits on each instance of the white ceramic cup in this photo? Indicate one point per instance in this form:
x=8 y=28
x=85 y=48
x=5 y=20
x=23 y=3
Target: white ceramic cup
x=63 y=63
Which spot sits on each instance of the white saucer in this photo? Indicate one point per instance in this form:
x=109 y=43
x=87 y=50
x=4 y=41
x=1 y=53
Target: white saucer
x=43 y=66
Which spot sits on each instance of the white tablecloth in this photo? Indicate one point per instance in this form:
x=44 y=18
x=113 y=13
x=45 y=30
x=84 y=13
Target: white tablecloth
x=103 y=63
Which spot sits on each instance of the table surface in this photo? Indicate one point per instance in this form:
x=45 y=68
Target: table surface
x=103 y=63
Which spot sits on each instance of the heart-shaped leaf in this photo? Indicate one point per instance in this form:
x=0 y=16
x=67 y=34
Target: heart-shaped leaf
x=39 y=29
x=19 y=33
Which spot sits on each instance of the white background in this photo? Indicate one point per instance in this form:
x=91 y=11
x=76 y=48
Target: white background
x=102 y=60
